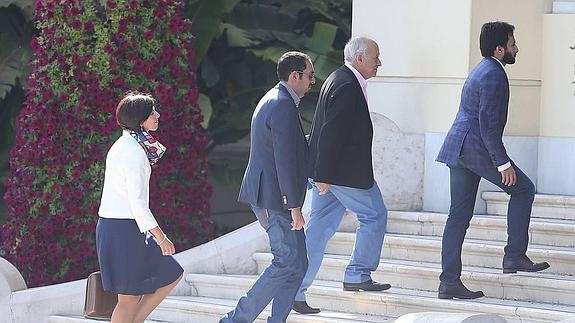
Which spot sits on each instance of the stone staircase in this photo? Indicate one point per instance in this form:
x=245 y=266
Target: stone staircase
x=411 y=264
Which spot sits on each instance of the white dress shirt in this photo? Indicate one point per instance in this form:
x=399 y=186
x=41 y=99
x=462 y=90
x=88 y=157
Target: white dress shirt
x=127 y=184
x=362 y=81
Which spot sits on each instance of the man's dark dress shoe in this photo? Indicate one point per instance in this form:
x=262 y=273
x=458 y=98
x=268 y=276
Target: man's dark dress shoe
x=302 y=308
x=457 y=290
x=369 y=285
x=513 y=265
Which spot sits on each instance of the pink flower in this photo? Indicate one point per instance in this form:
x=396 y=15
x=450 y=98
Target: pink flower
x=123 y=26
x=176 y=25
x=175 y=69
x=47 y=95
x=89 y=27
x=76 y=24
x=118 y=82
x=75 y=59
x=149 y=35
x=159 y=13
x=112 y=63
x=49 y=117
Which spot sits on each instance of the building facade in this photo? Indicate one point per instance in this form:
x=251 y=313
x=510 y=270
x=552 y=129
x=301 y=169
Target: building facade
x=427 y=50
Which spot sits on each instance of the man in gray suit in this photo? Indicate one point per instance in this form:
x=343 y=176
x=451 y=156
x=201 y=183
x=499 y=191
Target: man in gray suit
x=274 y=185
x=473 y=149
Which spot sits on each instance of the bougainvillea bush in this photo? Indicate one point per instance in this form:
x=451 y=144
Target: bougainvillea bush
x=87 y=55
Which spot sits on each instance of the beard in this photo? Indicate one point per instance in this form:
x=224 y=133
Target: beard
x=508 y=58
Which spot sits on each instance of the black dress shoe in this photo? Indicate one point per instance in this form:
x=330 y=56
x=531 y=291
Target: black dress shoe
x=457 y=290
x=369 y=285
x=513 y=265
x=302 y=308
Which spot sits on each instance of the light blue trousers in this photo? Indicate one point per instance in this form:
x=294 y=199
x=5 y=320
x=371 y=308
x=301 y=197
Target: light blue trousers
x=326 y=214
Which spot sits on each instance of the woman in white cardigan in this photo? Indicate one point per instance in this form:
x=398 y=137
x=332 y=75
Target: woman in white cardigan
x=135 y=255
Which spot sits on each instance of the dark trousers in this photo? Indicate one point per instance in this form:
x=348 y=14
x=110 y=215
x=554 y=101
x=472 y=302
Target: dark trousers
x=464 y=183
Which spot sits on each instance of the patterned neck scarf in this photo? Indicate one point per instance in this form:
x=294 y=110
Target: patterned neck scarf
x=154 y=149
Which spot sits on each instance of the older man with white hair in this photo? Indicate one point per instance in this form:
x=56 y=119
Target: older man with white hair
x=342 y=172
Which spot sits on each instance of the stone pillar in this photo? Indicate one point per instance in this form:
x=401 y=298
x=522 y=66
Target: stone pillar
x=556 y=169
x=425 y=55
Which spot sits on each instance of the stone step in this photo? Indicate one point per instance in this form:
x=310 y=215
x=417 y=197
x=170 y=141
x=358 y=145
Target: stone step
x=531 y=287
x=551 y=232
x=392 y=303
x=480 y=253
x=80 y=319
x=190 y=309
x=544 y=206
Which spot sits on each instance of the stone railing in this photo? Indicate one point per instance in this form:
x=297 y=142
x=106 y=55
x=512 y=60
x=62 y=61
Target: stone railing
x=231 y=253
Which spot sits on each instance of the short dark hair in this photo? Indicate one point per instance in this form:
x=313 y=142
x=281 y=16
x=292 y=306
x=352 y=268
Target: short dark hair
x=289 y=62
x=133 y=109
x=493 y=34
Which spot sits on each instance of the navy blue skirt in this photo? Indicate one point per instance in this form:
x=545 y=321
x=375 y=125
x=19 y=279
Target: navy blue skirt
x=129 y=266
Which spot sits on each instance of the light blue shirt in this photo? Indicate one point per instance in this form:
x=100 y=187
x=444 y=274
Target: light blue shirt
x=294 y=96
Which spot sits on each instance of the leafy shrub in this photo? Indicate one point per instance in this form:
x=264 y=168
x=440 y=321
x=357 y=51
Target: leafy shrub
x=87 y=55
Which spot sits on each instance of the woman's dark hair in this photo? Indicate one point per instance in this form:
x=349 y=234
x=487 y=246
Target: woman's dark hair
x=494 y=34
x=289 y=62
x=133 y=109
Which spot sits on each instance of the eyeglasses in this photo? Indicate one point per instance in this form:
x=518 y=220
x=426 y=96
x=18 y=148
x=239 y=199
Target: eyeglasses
x=311 y=76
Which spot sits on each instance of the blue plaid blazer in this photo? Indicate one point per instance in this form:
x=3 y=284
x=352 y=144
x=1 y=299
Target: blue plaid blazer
x=477 y=131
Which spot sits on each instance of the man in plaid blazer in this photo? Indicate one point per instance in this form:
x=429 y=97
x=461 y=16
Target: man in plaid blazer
x=473 y=149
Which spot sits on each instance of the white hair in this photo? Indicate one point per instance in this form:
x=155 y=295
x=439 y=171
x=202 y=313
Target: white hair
x=355 y=47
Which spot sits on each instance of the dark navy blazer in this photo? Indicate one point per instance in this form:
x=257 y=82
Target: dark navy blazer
x=342 y=133
x=277 y=171
x=477 y=131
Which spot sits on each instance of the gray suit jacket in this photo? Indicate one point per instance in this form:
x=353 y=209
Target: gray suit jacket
x=477 y=131
x=277 y=171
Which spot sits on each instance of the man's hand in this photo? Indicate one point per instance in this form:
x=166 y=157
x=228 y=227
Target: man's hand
x=297 y=219
x=322 y=187
x=508 y=177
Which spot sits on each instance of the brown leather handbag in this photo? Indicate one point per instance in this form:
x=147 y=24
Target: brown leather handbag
x=99 y=304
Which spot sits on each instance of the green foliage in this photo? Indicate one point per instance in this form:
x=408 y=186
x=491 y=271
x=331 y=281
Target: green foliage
x=26 y=7
x=9 y=108
x=206 y=16
x=246 y=43
x=15 y=34
x=16 y=30
x=87 y=55
x=206 y=107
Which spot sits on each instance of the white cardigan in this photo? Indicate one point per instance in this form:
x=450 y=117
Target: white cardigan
x=127 y=184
